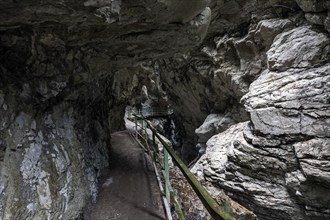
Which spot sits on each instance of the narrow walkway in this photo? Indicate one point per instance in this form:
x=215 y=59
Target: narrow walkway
x=129 y=190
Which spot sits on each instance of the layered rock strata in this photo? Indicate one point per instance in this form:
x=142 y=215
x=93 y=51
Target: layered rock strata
x=65 y=79
x=69 y=68
x=277 y=163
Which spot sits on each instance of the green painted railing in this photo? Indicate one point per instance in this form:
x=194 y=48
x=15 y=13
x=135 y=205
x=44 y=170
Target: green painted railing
x=166 y=189
x=217 y=211
x=149 y=113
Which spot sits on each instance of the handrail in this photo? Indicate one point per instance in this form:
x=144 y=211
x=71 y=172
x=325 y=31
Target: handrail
x=150 y=112
x=212 y=206
x=166 y=204
x=167 y=194
x=167 y=191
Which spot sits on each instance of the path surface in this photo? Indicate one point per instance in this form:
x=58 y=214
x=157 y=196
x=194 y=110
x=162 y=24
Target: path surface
x=129 y=190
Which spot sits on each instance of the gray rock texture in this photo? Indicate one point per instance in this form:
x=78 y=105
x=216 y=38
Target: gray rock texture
x=213 y=124
x=291 y=102
x=68 y=69
x=313 y=5
x=298 y=48
x=214 y=78
x=278 y=67
x=277 y=164
x=51 y=161
x=277 y=180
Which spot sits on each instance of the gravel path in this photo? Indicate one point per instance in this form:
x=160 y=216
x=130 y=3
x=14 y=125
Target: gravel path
x=129 y=189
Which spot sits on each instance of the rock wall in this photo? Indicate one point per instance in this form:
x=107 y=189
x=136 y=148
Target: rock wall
x=68 y=69
x=277 y=163
x=214 y=78
x=50 y=158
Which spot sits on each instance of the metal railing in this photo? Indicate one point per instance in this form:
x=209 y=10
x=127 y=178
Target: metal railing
x=216 y=211
x=150 y=112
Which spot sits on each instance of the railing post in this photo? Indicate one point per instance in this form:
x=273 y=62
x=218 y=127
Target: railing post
x=155 y=147
x=225 y=211
x=166 y=176
x=136 y=125
x=144 y=128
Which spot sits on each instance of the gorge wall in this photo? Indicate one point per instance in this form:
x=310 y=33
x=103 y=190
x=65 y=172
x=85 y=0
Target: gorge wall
x=69 y=69
x=277 y=162
x=65 y=80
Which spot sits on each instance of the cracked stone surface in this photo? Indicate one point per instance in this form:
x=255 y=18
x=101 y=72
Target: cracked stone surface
x=64 y=87
x=269 y=179
x=68 y=69
x=291 y=102
x=298 y=48
x=277 y=162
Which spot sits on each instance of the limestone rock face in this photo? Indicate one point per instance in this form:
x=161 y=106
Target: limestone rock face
x=312 y=5
x=214 y=78
x=50 y=161
x=316 y=11
x=259 y=69
x=67 y=71
x=268 y=175
x=235 y=165
x=84 y=37
x=293 y=101
x=296 y=105
x=298 y=48
x=277 y=163
x=213 y=124
x=313 y=156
